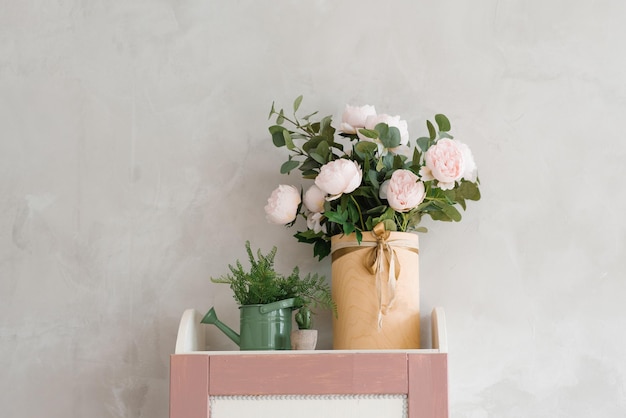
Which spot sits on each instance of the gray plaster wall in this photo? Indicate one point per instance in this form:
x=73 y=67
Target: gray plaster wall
x=135 y=162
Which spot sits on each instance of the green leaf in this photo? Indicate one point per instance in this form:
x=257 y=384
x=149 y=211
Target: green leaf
x=469 y=190
x=431 y=131
x=390 y=225
x=336 y=217
x=365 y=148
x=423 y=143
x=296 y=103
x=326 y=129
x=277 y=135
x=452 y=212
x=272 y=111
x=389 y=135
x=417 y=156
x=380 y=165
x=309 y=164
x=321 y=249
x=324 y=150
x=372 y=176
x=307 y=117
x=369 y=133
x=312 y=143
x=398 y=162
x=442 y=122
x=317 y=157
x=288 y=140
x=376 y=210
x=288 y=166
x=439 y=216
x=281 y=117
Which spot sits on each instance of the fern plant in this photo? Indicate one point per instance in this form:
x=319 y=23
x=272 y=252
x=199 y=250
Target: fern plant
x=262 y=284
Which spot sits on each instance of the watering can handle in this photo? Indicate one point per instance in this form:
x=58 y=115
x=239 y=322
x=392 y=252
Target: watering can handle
x=274 y=306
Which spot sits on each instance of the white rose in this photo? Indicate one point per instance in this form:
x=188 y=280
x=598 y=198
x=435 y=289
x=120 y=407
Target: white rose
x=394 y=121
x=338 y=177
x=404 y=191
x=282 y=205
x=471 y=171
x=313 y=222
x=314 y=199
x=354 y=118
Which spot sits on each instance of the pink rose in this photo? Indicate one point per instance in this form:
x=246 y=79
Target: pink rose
x=354 y=117
x=394 y=121
x=445 y=162
x=338 y=177
x=282 y=205
x=314 y=199
x=403 y=191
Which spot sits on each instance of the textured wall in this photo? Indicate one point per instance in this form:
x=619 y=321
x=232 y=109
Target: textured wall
x=135 y=162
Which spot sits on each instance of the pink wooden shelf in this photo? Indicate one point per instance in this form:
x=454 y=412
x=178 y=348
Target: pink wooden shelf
x=421 y=375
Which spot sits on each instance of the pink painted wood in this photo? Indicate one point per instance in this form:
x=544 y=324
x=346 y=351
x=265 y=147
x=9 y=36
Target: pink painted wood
x=315 y=374
x=189 y=386
x=428 y=385
x=422 y=376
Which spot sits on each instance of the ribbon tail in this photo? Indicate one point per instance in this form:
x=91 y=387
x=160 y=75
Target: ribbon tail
x=379 y=268
x=391 y=283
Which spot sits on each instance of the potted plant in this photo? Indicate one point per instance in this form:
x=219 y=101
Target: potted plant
x=266 y=301
x=304 y=338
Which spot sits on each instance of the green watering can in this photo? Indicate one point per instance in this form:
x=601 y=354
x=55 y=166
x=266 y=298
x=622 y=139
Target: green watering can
x=262 y=327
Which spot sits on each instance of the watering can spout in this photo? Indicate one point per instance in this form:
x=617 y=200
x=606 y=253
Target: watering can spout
x=211 y=318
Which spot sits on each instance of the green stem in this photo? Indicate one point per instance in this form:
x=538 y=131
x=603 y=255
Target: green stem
x=358 y=208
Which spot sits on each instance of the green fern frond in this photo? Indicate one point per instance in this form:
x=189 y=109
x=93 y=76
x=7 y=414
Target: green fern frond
x=262 y=284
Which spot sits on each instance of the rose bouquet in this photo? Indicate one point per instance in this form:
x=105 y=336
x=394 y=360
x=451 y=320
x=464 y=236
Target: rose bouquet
x=367 y=172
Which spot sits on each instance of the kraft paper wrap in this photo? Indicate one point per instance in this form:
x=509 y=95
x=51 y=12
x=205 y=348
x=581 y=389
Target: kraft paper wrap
x=376 y=288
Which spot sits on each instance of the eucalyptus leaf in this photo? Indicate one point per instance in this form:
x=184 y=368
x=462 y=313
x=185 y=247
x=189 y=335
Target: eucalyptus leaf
x=326 y=129
x=323 y=149
x=296 y=103
x=423 y=143
x=372 y=176
x=320 y=159
x=442 y=122
x=452 y=212
x=277 y=135
x=272 y=111
x=469 y=190
x=432 y=133
x=369 y=133
x=288 y=141
x=281 y=117
x=310 y=164
x=288 y=166
x=365 y=148
x=312 y=143
x=307 y=117
x=389 y=135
